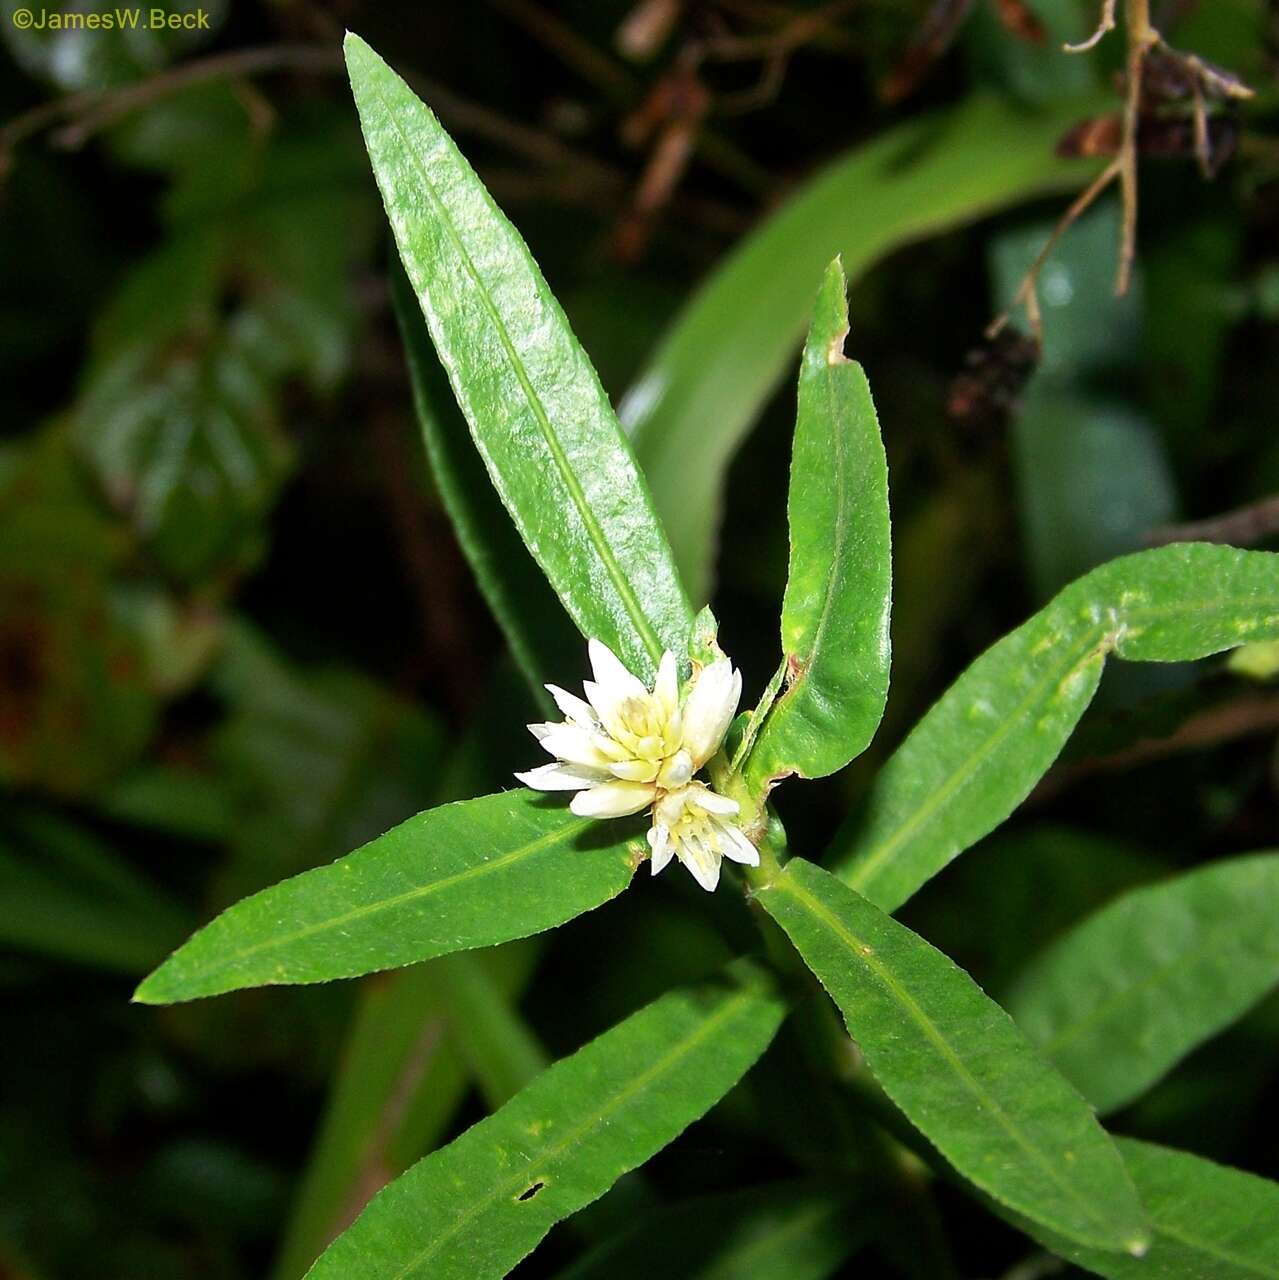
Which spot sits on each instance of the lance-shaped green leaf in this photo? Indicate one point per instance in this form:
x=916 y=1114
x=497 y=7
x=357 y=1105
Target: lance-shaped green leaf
x=399 y=1080
x=733 y=343
x=993 y=734
x=470 y=874
x=1210 y=1222
x=501 y=1051
x=537 y=631
x=65 y=894
x=787 y=1231
x=536 y=410
x=475 y=1208
x=835 y=612
x=957 y=1066
x=1124 y=996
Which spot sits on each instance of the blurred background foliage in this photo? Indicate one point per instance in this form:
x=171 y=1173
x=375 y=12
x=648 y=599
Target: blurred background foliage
x=238 y=636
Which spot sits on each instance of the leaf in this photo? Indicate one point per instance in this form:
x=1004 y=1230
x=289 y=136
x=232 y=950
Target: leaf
x=502 y=1053
x=1045 y=877
x=835 y=613
x=79 y=702
x=733 y=343
x=1124 y=996
x=317 y=761
x=786 y=1231
x=1210 y=1222
x=957 y=1066
x=399 y=1080
x=182 y=437
x=993 y=734
x=475 y=1208
x=1092 y=474
x=470 y=874
x=536 y=410
x=531 y=619
x=66 y=895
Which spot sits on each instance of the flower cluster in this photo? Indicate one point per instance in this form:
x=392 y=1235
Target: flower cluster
x=624 y=749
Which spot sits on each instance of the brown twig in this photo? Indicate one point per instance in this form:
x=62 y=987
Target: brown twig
x=1241 y=527
x=1243 y=717
x=94 y=109
x=619 y=87
x=1142 y=37
x=1201 y=80
x=1027 y=291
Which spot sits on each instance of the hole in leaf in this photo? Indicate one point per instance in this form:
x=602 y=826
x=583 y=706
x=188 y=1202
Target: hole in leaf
x=531 y=1192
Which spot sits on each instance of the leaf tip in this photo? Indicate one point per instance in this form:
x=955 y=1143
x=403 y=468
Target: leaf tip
x=356 y=49
x=830 y=316
x=149 y=991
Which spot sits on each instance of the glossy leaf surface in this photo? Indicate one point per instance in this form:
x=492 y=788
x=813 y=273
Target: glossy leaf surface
x=400 y=1078
x=992 y=735
x=470 y=874
x=536 y=628
x=838 y=588
x=957 y=1066
x=475 y=1208
x=1124 y=996
x=536 y=410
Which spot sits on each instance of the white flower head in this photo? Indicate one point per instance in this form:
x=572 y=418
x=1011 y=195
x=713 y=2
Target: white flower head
x=624 y=749
x=693 y=824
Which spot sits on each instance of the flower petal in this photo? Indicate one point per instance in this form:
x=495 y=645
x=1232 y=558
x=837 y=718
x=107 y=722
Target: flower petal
x=575 y=745
x=610 y=675
x=709 y=709
x=734 y=844
x=634 y=770
x=713 y=802
x=612 y=799
x=574 y=708
x=605 y=707
x=676 y=771
x=702 y=862
x=558 y=777
x=659 y=840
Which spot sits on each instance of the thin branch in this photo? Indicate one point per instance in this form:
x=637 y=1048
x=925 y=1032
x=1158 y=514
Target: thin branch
x=618 y=86
x=1245 y=717
x=1142 y=37
x=1027 y=295
x=100 y=108
x=1241 y=527
x=94 y=110
x=1104 y=27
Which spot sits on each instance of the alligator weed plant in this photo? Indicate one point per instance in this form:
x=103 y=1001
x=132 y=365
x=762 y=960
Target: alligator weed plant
x=897 y=1052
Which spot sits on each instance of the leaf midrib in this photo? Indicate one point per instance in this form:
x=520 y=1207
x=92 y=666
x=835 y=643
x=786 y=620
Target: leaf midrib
x=860 y=874
x=866 y=866
x=387 y=904
x=569 y=477
x=835 y=566
x=1153 y=977
x=1216 y=1251
x=818 y=909
x=551 y=1153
